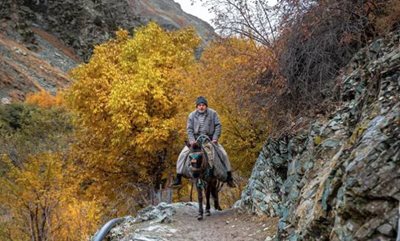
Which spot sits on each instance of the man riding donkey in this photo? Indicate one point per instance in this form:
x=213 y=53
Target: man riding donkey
x=203 y=121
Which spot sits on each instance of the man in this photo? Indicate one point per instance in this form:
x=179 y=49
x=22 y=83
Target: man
x=202 y=121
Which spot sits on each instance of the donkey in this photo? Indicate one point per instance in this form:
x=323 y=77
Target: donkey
x=203 y=177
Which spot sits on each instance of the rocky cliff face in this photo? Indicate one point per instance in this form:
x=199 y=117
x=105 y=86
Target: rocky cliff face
x=56 y=35
x=340 y=178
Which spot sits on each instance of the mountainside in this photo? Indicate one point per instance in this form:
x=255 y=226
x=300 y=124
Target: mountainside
x=41 y=40
x=339 y=179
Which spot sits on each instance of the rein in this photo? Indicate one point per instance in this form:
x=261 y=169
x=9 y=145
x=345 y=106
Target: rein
x=199 y=162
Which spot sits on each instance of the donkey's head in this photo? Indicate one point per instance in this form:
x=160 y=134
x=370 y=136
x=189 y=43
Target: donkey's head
x=196 y=159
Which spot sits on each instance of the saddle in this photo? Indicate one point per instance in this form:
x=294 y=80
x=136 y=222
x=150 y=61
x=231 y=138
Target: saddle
x=212 y=156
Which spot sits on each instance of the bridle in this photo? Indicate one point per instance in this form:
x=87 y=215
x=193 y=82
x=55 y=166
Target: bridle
x=197 y=157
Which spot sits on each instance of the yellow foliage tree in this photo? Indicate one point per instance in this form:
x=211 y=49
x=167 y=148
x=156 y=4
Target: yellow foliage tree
x=40 y=196
x=126 y=100
x=228 y=74
x=40 y=202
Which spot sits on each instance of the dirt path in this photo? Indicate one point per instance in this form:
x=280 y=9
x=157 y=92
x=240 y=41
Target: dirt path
x=221 y=226
x=178 y=222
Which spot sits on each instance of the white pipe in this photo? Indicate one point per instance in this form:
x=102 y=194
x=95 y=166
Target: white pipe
x=398 y=226
x=99 y=236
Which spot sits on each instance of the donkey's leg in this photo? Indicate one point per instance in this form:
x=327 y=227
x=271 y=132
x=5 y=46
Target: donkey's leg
x=208 y=192
x=200 y=199
x=214 y=193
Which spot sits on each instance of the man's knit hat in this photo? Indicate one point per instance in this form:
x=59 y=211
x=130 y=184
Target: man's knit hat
x=201 y=100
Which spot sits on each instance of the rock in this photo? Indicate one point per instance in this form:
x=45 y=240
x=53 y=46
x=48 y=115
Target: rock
x=156 y=219
x=19 y=51
x=5 y=101
x=386 y=229
x=331 y=143
x=340 y=180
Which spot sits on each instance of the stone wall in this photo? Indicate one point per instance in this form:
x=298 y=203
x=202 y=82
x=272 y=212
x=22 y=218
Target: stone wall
x=339 y=179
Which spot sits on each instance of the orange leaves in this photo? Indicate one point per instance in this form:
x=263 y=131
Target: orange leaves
x=42 y=190
x=44 y=99
x=122 y=35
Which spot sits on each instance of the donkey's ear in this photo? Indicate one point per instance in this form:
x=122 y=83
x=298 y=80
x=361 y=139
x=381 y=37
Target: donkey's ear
x=195 y=146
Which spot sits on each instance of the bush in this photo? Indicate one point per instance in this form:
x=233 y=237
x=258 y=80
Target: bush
x=27 y=130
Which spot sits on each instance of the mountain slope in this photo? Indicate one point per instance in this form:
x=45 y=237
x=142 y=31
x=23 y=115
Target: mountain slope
x=61 y=34
x=23 y=70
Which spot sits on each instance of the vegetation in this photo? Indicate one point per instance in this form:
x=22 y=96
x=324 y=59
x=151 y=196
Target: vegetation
x=45 y=99
x=228 y=75
x=37 y=187
x=102 y=147
x=127 y=119
x=311 y=40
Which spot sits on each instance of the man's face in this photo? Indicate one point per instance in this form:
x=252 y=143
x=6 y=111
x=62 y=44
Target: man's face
x=201 y=107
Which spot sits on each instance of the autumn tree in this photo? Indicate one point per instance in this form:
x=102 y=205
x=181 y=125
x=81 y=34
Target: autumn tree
x=228 y=75
x=40 y=202
x=126 y=100
x=37 y=183
x=312 y=40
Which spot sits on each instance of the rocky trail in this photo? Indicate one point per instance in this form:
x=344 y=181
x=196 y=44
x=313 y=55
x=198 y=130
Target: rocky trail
x=178 y=222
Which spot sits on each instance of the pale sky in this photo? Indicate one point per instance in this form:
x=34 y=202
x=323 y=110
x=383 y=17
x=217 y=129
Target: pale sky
x=200 y=11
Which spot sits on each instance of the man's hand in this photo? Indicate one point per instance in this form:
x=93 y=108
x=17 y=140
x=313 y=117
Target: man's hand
x=192 y=143
x=215 y=141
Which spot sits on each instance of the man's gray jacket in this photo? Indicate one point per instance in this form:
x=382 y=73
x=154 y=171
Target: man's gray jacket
x=212 y=125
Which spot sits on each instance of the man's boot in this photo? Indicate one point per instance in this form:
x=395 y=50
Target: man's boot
x=178 y=180
x=229 y=180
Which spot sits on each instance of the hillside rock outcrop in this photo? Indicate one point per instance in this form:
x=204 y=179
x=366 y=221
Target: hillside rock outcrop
x=41 y=40
x=23 y=70
x=84 y=24
x=339 y=179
